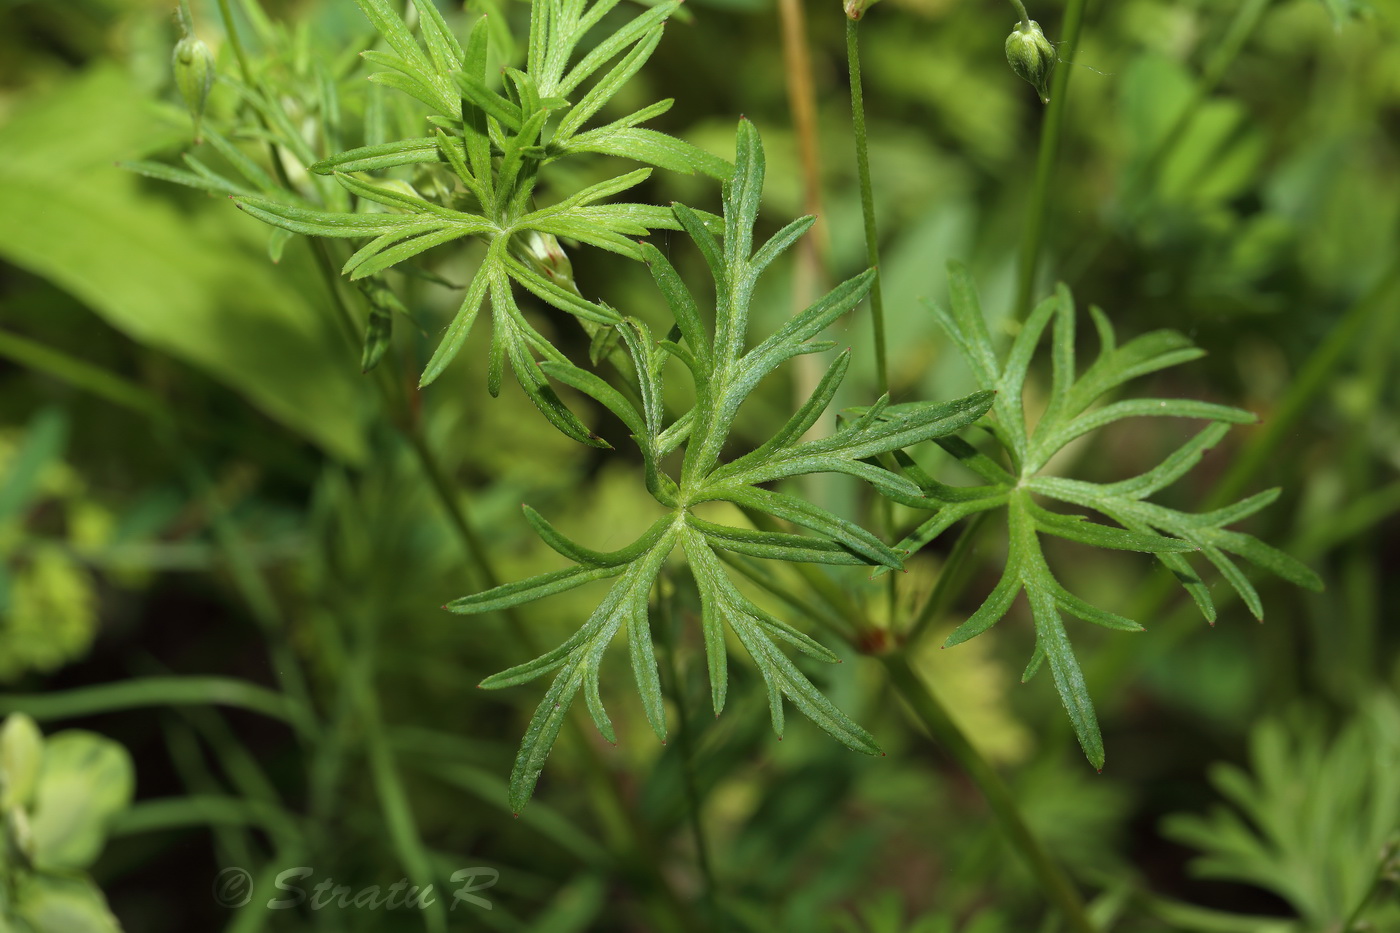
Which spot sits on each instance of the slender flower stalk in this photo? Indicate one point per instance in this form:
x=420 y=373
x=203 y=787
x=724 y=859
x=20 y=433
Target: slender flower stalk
x=1033 y=233
x=867 y=197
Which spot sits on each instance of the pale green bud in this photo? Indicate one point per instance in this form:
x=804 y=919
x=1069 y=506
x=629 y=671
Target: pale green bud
x=194 y=75
x=1031 y=56
x=544 y=254
x=855 y=9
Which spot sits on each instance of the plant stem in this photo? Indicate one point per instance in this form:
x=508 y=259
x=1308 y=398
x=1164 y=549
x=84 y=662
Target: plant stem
x=802 y=101
x=1033 y=233
x=872 y=259
x=934 y=717
x=1021 y=12
x=810 y=270
x=867 y=202
x=388 y=785
x=931 y=713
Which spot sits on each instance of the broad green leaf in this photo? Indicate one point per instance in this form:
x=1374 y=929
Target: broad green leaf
x=62 y=903
x=84 y=782
x=193 y=283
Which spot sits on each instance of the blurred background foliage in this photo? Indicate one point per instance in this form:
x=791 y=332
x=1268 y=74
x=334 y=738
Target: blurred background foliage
x=196 y=480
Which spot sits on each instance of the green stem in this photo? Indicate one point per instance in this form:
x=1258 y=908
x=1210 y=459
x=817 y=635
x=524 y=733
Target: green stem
x=1033 y=233
x=934 y=717
x=1021 y=12
x=872 y=259
x=231 y=32
x=867 y=202
x=931 y=713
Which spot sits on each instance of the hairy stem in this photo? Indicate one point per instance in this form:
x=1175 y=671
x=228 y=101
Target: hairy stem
x=1033 y=232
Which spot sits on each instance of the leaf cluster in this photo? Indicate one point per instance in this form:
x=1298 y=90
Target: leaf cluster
x=1020 y=477
x=476 y=175
x=1315 y=820
x=725 y=371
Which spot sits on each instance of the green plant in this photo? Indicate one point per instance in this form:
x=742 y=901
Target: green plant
x=477 y=176
x=507 y=178
x=725 y=371
x=1315 y=821
x=58 y=797
x=47 y=601
x=1027 y=450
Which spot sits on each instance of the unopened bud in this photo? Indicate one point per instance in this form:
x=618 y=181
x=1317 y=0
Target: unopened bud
x=194 y=75
x=542 y=252
x=194 y=66
x=1031 y=56
x=855 y=9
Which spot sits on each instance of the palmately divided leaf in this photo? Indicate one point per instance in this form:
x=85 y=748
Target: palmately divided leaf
x=725 y=370
x=492 y=137
x=1069 y=414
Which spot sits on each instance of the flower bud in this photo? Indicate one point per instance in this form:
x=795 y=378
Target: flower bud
x=1031 y=56
x=855 y=9
x=194 y=74
x=542 y=252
